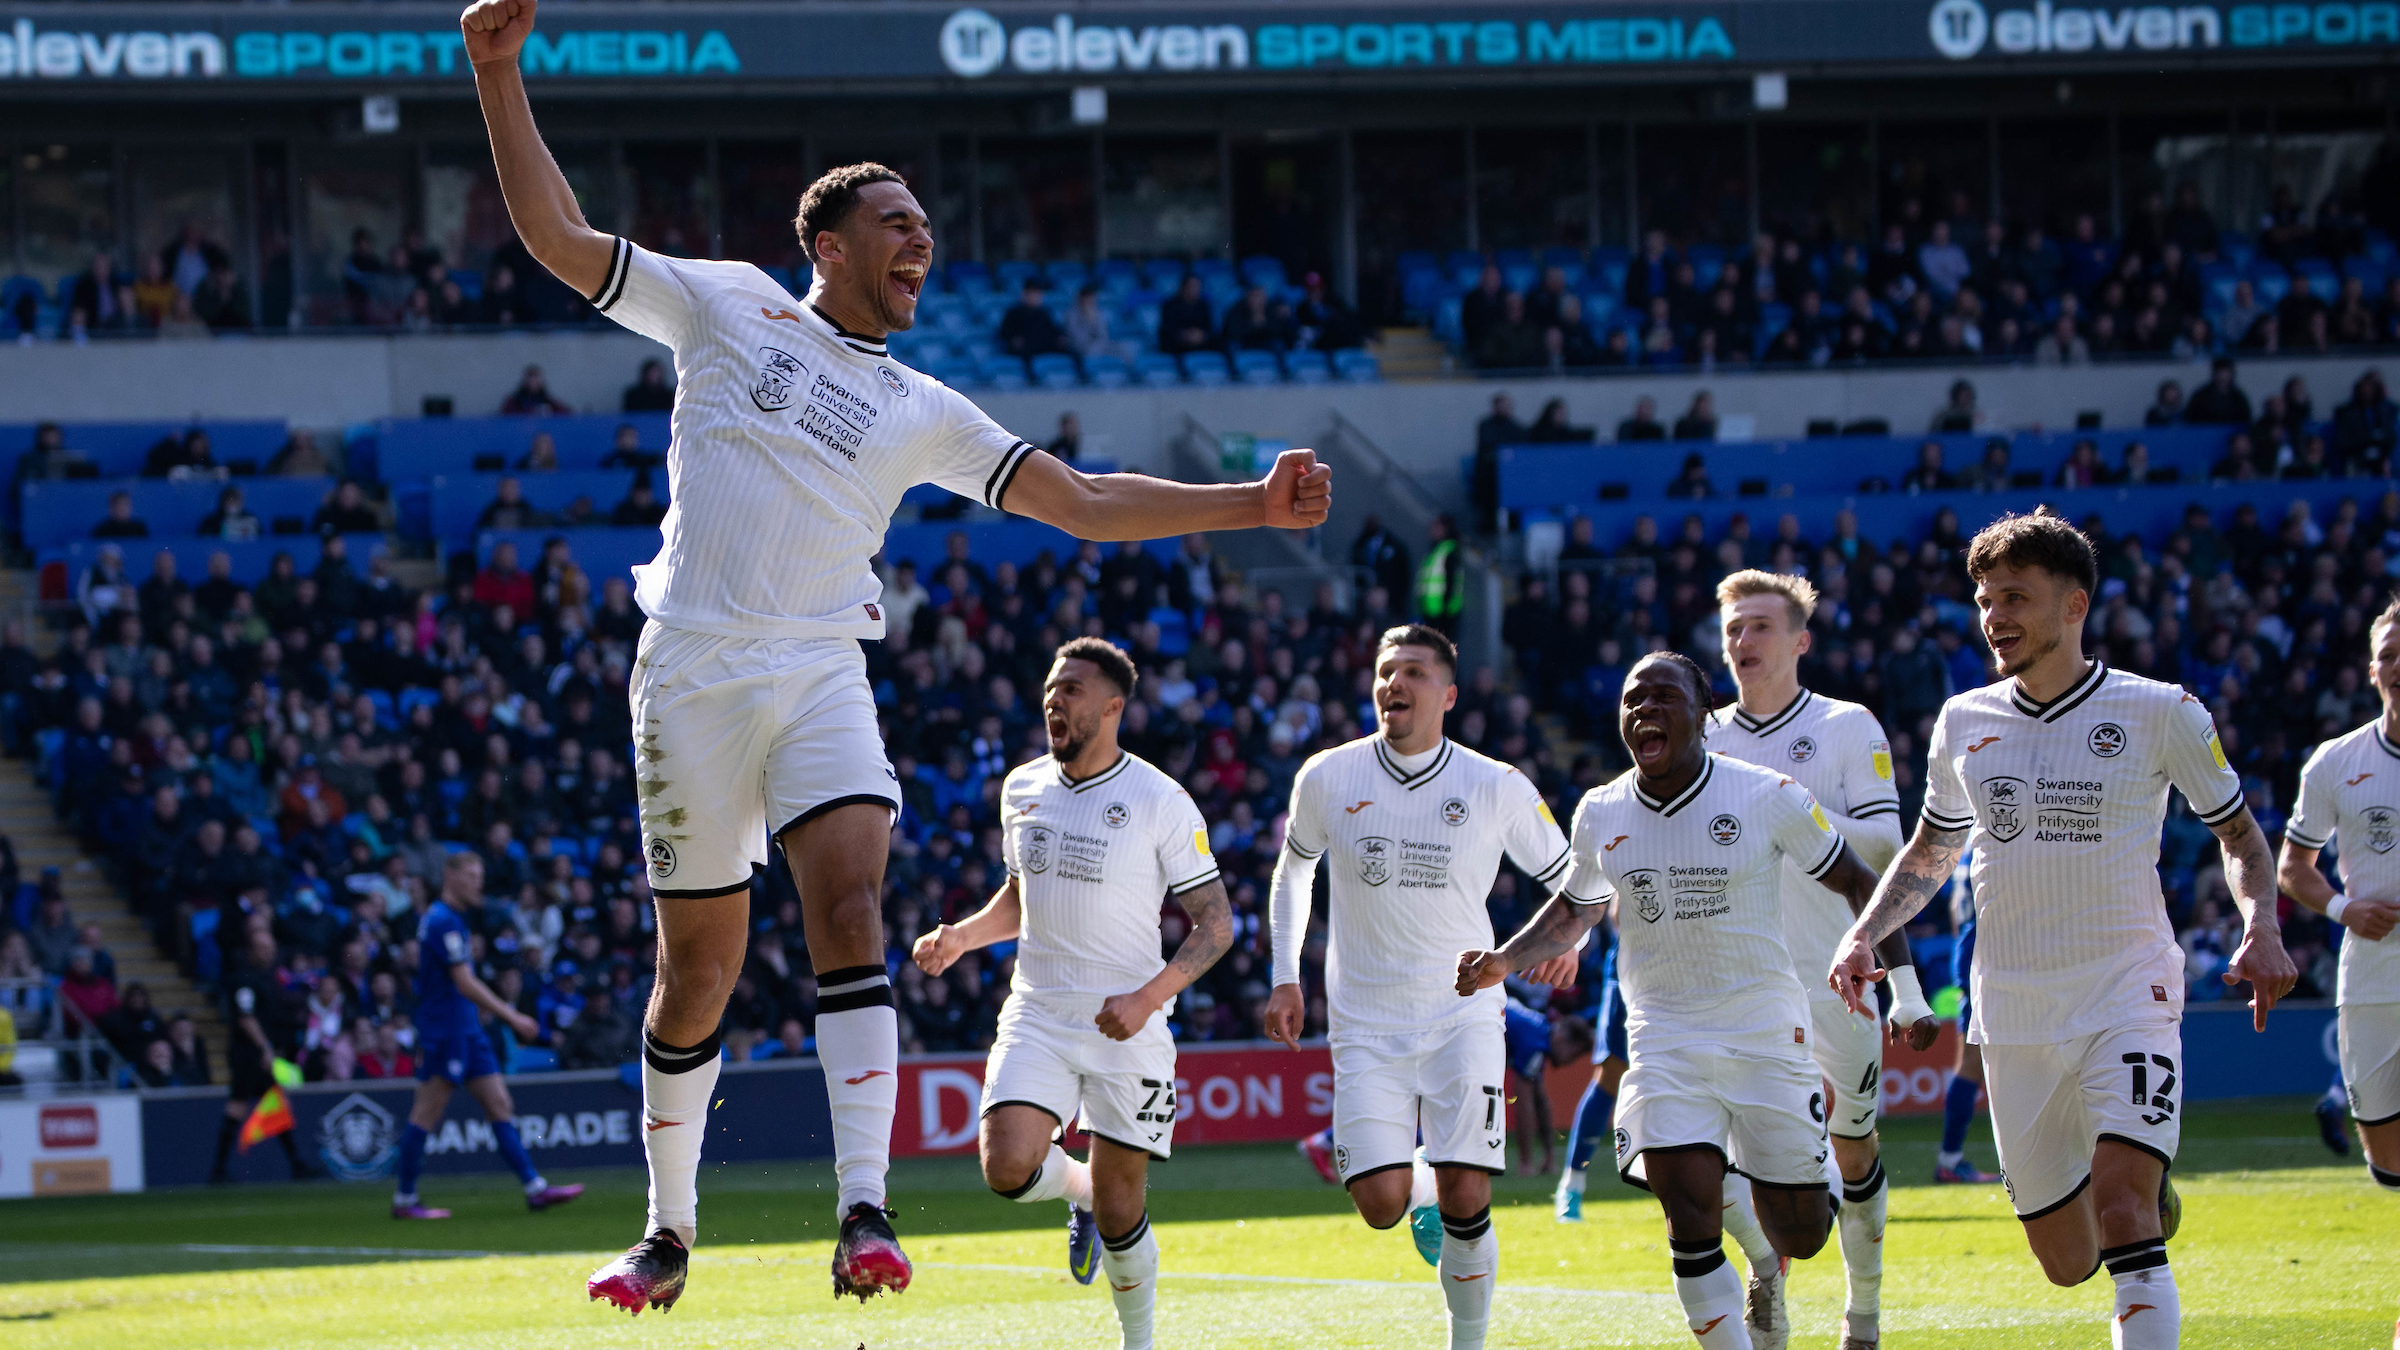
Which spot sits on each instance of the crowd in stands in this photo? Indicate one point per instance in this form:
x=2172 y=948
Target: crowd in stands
x=188 y=289
x=1936 y=285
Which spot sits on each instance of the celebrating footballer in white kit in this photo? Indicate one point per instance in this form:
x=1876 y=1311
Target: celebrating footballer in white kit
x=1095 y=840
x=1692 y=848
x=2350 y=791
x=2058 y=779
x=794 y=435
x=1838 y=752
x=1412 y=828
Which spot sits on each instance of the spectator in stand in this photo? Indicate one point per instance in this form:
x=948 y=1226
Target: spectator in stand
x=650 y=391
x=1551 y=426
x=347 y=511
x=2088 y=257
x=191 y=450
x=508 y=509
x=1692 y=484
x=641 y=505
x=1256 y=324
x=504 y=301
x=2082 y=468
x=220 y=301
x=1480 y=309
x=1942 y=263
x=1510 y=341
x=626 y=451
x=1321 y=321
x=2220 y=402
x=1067 y=445
x=2366 y=429
x=362 y=278
x=1699 y=422
x=541 y=454
x=1959 y=413
x=502 y=582
x=1028 y=329
x=99 y=293
x=1648 y=273
x=532 y=396
x=1991 y=473
x=1087 y=328
x=53 y=932
x=121 y=522
x=189 y=257
x=1643 y=424
x=49 y=460
x=2062 y=345
x=2167 y=410
x=1569 y=340
x=231 y=520
x=153 y=294
x=299 y=457
x=1184 y=321
x=1928 y=475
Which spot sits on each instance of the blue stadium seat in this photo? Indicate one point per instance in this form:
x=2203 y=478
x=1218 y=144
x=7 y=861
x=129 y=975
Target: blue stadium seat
x=2380 y=248
x=2269 y=282
x=1107 y=372
x=1207 y=368
x=1055 y=370
x=1357 y=365
x=2236 y=248
x=1519 y=276
x=968 y=277
x=1116 y=275
x=1257 y=367
x=58 y=512
x=1459 y=259
x=1005 y=373
x=1009 y=277
x=1162 y=274
x=1067 y=275
x=927 y=354
x=1308 y=366
x=1466 y=277
x=959 y=372
x=1157 y=370
x=1215 y=270
x=1267 y=272
x=1449 y=321
x=1562 y=256
x=2318 y=275
x=470 y=282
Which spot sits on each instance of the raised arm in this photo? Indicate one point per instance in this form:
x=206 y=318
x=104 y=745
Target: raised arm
x=1000 y=919
x=2250 y=875
x=540 y=204
x=1295 y=495
x=1915 y=877
x=1122 y=1016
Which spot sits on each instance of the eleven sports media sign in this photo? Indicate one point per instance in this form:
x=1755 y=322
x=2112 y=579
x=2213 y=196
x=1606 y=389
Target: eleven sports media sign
x=408 y=45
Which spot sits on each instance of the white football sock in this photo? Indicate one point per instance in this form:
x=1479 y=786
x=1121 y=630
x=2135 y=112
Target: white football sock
x=1862 y=1217
x=677 y=1083
x=2149 y=1313
x=1059 y=1177
x=1470 y=1265
x=1946 y=1158
x=1130 y=1265
x=1421 y=1190
x=858 y=1042
x=1572 y=1180
x=1741 y=1223
x=1712 y=1295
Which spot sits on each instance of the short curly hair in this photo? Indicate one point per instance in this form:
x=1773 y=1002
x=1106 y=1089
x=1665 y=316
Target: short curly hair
x=830 y=200
x=2042 y=539
x=1115 y=666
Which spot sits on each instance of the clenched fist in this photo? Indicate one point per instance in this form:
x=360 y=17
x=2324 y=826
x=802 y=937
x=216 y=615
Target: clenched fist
x=495 y=30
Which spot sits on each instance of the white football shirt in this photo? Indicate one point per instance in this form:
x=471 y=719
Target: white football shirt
x=1698 y=880
x=2350 y=790
x=792 y=442
x=1093 y=861
x=2065 y=800
x=1838 y=752
x=1412 y=853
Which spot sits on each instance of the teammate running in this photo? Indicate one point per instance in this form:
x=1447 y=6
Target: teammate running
x=452 y=1049
x=1838 y=752
x=2058 y=777
x=1414 y=827
x=1692 y=848
x=794 y=435
x=2351 y=788
x=1095 y=838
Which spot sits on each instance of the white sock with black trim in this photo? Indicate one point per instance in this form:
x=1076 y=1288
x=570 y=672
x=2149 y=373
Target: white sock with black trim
x=1862 y=1219
x=858 y=1043
x=1469 y=1267
x=2149 y=1313
x=1059 y=1177
x=1130 y=1264
x=1711 y=1291
x=677 y=1083
x=1741 y=1223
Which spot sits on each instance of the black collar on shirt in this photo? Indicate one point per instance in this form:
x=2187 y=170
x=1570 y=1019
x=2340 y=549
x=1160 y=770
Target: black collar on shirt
x=857 y=342
x=1095 y=780
x=1708 y=770
x=1390 y=761
x=1772 y=722
x=2065 y=703
x=2385 y=741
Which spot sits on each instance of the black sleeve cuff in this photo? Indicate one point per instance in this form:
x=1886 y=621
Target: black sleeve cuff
x=2226 y=812
x=612 y=286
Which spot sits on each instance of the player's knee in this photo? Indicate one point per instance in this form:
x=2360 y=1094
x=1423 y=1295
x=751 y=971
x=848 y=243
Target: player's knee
x=1007 y=1177
x=2068 y=1269
x=2127 y=1216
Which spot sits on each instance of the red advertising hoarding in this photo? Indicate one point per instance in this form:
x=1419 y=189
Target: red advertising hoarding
x=1235 y=1094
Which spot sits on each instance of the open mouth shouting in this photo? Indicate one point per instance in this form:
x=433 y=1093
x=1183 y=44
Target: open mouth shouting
x=1649 y=743
x=907 y=281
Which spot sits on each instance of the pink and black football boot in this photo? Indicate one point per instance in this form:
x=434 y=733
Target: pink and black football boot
x=649 y=1274
x=867 y=1258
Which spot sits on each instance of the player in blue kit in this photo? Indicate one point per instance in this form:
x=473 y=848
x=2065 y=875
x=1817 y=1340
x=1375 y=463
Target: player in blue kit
x=1595 y=1113
x=451 y=1046
x=1534 y=1043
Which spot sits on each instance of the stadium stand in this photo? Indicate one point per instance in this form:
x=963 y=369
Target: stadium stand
x=344 y=728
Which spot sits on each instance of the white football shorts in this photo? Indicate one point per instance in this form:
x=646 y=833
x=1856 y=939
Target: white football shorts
x=1763 y=1112
x=1120 y=1091
x=2370 y=1048
x=2053 y=1104
x=1448 y=1082
x=1848 y=1048
x=737 y=737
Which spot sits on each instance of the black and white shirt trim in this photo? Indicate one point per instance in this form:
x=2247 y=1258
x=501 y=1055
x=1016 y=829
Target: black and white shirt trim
x=1095 y=780
x=1774 y=722
x=857 y=342
x=995 y=488
x=2065 y=703
x=1708 y=770
x=2231 y=808
x=612 y=286
x=1412 y=781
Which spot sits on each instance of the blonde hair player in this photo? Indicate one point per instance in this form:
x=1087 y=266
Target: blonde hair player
x=1839 y=753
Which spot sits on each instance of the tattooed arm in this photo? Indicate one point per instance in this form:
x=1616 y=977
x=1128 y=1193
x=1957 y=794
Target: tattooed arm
x=2250 y=875
x=1551 y=933
x=1123 y=1016
x=1921 y=870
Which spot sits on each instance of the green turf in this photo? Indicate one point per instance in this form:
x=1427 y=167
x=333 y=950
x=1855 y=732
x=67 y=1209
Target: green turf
x=2279 y=1249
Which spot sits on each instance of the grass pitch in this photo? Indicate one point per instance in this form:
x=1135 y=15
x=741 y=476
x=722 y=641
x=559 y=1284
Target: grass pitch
x=2281 y=1247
